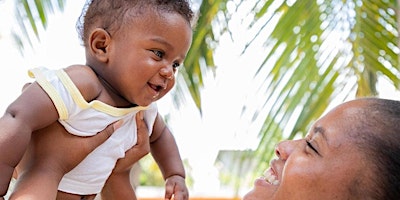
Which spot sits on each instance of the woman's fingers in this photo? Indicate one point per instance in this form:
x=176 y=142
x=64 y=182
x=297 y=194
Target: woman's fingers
x=139 y=150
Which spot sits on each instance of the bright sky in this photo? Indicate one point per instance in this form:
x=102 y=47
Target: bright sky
x=199 y=139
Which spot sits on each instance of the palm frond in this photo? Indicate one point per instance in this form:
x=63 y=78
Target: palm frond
x=200 y=57
x=30 y=16
x=318 y=53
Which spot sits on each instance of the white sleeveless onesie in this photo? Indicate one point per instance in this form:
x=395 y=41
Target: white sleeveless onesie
x=83 y=118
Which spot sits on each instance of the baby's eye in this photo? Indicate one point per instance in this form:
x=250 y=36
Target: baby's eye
x=176 y=65
x=158 y=53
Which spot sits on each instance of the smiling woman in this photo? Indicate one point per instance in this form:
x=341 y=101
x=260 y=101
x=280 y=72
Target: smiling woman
x=340 y=158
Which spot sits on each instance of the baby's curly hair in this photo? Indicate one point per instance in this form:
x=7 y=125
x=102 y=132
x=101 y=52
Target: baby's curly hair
x=112 y=14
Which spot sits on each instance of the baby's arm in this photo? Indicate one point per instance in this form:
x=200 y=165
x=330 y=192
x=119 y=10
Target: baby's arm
x=166 y=154
x=32 y=110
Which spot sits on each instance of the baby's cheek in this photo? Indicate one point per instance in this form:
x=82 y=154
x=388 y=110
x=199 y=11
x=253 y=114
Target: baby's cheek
x=170 y=85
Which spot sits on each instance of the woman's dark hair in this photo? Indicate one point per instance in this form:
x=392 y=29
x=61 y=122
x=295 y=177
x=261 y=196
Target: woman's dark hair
x=112 y=14
x=378 y=135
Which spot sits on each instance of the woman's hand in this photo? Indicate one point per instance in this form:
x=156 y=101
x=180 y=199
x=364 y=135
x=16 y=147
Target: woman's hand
x=52 y=153
x=118 y=184
x=141 y=148
x=63 y=150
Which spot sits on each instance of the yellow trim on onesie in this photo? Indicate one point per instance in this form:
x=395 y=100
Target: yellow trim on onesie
x=96 y=104
x=52 y=92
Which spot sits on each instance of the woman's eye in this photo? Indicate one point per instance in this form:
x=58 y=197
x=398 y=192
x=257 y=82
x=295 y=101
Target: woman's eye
x=158 y=53
x=311 y=147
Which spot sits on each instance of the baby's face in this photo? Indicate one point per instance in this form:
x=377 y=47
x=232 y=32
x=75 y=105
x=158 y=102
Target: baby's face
x=145 y=54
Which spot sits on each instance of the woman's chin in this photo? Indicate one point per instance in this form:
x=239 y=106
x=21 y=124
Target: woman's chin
x=262 y=190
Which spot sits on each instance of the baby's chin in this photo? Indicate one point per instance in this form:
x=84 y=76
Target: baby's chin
x=144 y=102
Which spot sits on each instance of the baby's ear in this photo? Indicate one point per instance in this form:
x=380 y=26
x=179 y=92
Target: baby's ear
x=99 y=40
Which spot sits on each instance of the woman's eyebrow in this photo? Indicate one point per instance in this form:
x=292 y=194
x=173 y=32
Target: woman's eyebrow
x=321 y=131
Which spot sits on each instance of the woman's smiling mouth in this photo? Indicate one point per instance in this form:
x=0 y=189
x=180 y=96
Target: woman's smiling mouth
x=269 y=177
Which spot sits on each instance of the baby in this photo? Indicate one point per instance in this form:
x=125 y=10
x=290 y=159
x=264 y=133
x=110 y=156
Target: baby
x=133 y=50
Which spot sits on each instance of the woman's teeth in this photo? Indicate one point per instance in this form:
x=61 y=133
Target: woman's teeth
x=270 y=178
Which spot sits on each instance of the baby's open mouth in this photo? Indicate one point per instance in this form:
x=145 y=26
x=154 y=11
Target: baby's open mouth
x=157 y=88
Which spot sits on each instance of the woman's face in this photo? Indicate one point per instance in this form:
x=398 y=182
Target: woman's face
x=323 y=165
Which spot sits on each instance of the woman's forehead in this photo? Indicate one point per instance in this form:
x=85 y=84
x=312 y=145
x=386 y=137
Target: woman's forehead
x=338 y=125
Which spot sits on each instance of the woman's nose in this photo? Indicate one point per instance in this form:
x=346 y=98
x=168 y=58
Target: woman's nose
x=285 y=148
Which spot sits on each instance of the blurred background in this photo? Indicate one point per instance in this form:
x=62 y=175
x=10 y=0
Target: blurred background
x=258 y=72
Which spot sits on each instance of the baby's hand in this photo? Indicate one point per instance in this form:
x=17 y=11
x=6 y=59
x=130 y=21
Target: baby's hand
x=175 y=186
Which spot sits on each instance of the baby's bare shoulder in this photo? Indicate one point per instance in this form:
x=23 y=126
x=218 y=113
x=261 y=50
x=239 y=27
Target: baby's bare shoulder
x=86 y=80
